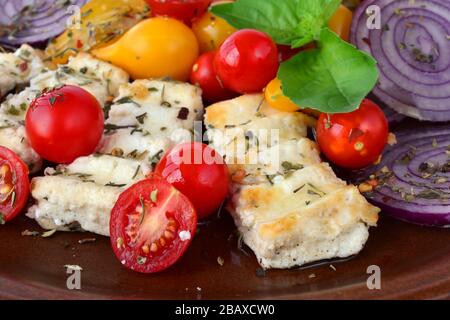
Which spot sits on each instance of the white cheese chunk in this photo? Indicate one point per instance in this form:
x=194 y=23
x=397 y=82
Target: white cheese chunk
x=249 y=120
x=184 y=235
x=151 y=116
x=13 y=137
x=82 y=193
x=267 y=164
x=18 y=68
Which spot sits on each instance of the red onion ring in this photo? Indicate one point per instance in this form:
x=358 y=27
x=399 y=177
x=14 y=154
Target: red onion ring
x=412 y=48
x=33 y=21
x=413 y=177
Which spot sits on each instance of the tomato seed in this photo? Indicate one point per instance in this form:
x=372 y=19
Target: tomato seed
x=141 y=260
x=168 y=234
x=162 y=242
x=119 y=243
x=146 y=249
x=172 y=228
x=5 y=189
x=4 y=170
x=154 y=247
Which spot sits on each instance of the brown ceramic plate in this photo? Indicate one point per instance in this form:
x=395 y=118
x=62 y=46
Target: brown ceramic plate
x=414 y=262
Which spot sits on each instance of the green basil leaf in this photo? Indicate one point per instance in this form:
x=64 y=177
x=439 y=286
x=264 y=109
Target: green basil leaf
x=334 y=78
x=274 y=17
x=288 y=22
x=313 y=16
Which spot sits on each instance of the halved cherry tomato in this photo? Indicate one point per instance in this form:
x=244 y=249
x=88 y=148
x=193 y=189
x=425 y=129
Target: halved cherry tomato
x=151 y=226
x=247 y=61
x=276 y=99
x=14 y=185
x=204 y=75
x=353 y=140
x=211 y=31
x=64 y=123
x=184 y=10
x=199 y=172
x=341 y=22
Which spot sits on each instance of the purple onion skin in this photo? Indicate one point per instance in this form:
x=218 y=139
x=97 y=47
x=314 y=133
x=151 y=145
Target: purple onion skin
x=414 y=62
x=431 y=142
x=46 y=22
x=418 y=218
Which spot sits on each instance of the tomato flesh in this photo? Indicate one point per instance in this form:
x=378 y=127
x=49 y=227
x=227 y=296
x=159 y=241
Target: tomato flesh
x=14 y=185
x=353 y=140
x=64 y=123
x=184 y=10
x=151 y=226
x=197 y=170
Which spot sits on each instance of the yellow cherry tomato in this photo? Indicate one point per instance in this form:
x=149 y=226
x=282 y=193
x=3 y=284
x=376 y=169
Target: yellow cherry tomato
x=211 y=31
x=154 y=48
x=341 y=22
x=276 y=99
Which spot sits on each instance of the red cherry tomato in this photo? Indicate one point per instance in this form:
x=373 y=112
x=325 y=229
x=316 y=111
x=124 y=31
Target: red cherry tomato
x=353 y=140
x=199 y=172
x=152 y=225
x=247 y=61
x=64 y=123
x=14 y=185
x=204 y=75
x=184 y=10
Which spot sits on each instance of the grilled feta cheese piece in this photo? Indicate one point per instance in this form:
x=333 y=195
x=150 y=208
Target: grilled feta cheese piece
x=18 y=68
x=99 y=78
x=290 y=207
x=265 y=164
x=149 y=117
x=308 y=216
x=248 y=120
x=12 y=137
x=82 y=194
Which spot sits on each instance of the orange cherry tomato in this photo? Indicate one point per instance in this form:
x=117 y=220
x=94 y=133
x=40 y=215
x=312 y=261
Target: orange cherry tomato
x=341 y=21
x=276 y=99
